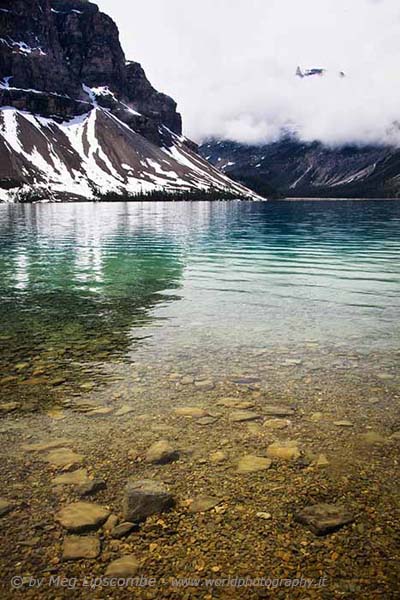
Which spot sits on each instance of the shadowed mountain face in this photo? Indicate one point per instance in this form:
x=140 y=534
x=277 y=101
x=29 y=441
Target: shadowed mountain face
x=79 y=120
x=294 y=169
x=58 y=46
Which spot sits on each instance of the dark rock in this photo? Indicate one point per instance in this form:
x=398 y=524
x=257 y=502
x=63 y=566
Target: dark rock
x=144 y=498
x=122 y=530
x=324 y=518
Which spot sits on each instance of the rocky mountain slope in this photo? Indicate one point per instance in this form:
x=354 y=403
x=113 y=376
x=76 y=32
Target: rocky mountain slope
x=77 y=120
x=295 y=169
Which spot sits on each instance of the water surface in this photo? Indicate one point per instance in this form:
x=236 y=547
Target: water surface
x=90 y=282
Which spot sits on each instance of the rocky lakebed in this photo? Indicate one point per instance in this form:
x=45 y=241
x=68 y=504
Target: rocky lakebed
x=274 y=481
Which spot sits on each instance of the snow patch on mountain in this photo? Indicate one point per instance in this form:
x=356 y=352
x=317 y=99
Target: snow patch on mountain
x=96 y=153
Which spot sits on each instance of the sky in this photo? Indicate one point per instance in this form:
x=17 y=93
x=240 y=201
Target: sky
x=230 y=65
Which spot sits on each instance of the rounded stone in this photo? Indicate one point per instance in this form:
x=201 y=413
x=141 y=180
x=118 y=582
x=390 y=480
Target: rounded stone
x=127 y=566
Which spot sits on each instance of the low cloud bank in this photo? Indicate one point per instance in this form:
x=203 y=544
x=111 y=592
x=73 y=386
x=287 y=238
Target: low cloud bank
x=231 y=66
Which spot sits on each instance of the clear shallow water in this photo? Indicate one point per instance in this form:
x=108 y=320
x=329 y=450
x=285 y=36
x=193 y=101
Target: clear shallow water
x=95 y=281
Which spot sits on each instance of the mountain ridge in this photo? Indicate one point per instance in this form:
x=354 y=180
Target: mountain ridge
x=79 y=120
x=289 y=167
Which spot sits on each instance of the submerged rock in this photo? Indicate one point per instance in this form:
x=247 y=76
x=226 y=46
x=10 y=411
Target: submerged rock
x=126 y=566
x=203 y=503
x=277 y=410
x=161 y=453
x=264 y=515
x=63 y=457
x=45 y=446
x=251 y=463
x=218 y=457
x=92 y=486
x=101 y=410
x=8 y=407
x=240 y=416
x=322 y=519
x=77 y=547
x=78 y=477
x=122 y=529
x=82 y=516
x=373 y=437
x=111 y=523
x=144 y=498
x=321 y=461
x=277 y=424
x=204 y=421
x=287 y=450
x=204 y=384
x=191 y=411
x=5 y=507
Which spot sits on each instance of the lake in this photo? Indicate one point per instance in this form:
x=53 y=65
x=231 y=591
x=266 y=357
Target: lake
x=100 y=281
x=243 y=355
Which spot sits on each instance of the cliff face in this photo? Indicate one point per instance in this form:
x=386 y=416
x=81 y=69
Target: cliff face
x=59 y=46
x=295 y=169
x=77 y=118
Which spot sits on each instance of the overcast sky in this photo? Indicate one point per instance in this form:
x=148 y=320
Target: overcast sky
x=230 y=65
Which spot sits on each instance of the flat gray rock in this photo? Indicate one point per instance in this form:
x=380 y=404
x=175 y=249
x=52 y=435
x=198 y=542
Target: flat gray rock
x=191 y=411
x=123 y=529
x=251 y=464
x=126 y=566
x=46 y=446
x=277 y=424
x=203 y=503
x=144 y=498
x=63 y=457
x=78 y=477
x=161 y=453
x=204 y=421
x=76 y=547
x=240 y=416
x=287 y=450
x=277 y=410
x=79 y=517
x=322 y=519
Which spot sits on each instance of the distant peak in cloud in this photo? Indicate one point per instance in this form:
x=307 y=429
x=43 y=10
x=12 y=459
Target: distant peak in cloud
x=315 y=71
x=232 y=66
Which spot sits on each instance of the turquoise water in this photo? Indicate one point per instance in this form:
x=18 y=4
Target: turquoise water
x=104 y=281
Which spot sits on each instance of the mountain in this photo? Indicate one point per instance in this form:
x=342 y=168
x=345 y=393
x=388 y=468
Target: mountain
x=291 y=168
x=79 y=121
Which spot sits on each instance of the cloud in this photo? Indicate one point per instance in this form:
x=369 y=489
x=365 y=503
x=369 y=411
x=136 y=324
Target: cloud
x=231 y=65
